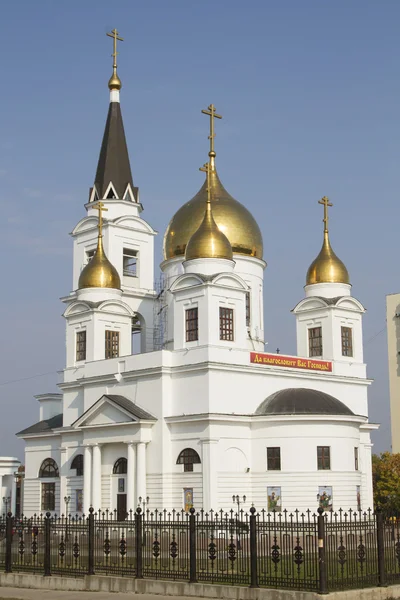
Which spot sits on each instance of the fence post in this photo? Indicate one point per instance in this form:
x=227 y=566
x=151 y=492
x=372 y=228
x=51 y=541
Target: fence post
x=380 y=547
x=323 y=587
x=47 y=550
x=9 y=536
x=192 y=547
x=253 y=549
x=90 y=522
x=139 y=543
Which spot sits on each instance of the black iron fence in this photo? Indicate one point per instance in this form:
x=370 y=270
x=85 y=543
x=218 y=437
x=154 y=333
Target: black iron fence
x=302 y=551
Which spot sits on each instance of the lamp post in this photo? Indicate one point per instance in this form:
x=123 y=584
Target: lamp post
x=238 y=500
x=144 y=502
x=67 y=500
x=6 y=501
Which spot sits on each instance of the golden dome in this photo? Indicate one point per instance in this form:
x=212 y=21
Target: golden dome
x=208 y=241
x=231 y=217
x=114 y=83
x=99 y=272
x=327 y=267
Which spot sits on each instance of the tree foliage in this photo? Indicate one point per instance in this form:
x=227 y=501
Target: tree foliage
x=386 y=481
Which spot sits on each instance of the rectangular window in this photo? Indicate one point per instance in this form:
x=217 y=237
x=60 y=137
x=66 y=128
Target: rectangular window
x=356 y=458
x=130 y=262
x=192 y=324
x=324 y=458
x=226 y=324
x=48 y=496
x=112 y=344
x=347 y=341
x=274 y=459
x=315 y=341
x=81 y=345
x=248 y=313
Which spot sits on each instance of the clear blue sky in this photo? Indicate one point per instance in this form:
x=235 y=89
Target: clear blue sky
x=310 y=95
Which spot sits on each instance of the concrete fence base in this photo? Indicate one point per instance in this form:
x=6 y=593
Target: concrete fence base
x=98 y=583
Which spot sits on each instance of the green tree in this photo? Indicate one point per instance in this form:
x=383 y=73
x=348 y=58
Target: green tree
x=386 y=481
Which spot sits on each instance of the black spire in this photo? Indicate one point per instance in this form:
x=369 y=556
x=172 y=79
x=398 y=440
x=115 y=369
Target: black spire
x=114 y=166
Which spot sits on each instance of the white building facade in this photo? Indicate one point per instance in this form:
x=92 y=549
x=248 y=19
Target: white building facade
x=167 y=397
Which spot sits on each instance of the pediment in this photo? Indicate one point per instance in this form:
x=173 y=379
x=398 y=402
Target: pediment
x=107 y=415
x=112 y=410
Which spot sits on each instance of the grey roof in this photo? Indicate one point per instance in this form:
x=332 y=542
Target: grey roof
x=298 y=401
x=131 y=407
x=45 y=426
x=113 y=165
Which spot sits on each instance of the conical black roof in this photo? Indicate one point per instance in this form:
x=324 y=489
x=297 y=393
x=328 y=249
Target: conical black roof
x=113 y=166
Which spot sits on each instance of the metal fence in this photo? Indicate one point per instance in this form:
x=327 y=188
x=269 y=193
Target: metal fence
x=300 y=551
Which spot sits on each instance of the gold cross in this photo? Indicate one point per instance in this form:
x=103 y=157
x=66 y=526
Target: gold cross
x=325 y=203
x=114 y=35
x=213 y=115
x=207 y=169
x=100 y=207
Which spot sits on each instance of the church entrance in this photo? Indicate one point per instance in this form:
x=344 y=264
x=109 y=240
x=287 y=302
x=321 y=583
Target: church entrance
x=121 y=507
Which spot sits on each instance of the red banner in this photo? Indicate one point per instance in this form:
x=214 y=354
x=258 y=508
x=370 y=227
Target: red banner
x=291 y=362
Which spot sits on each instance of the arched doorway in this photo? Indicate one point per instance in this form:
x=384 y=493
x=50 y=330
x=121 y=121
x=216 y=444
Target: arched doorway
x=138 y=334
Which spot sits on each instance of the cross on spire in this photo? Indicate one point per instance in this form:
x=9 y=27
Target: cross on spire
x=100 y=206
x=213 y=115
x=207 y=169
x=325 y=203
x=114 y=35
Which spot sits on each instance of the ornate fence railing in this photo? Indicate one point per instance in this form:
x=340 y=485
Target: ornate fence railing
x=301 y=551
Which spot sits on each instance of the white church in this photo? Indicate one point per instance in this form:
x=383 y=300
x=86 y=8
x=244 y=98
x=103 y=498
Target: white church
x=168 y=399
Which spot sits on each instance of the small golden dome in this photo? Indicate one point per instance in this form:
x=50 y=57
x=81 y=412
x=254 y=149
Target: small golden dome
x=114 y=82
x=208 y=241
x=231 y=218
x=327 y=267
x=99 y=272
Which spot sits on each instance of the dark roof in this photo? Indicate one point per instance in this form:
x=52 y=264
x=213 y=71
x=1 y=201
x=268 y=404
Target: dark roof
x=130 y=406
x=45 y=426
x=113 y=165
x=300 y=401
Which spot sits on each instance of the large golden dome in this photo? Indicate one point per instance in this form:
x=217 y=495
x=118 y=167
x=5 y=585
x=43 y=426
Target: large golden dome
x=99 y=272
x=232 y=218
x=327 y=267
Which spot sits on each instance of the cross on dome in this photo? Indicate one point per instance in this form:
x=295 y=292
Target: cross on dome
x=325 y=203
x=211 y=112
x=100 y=206
x=115 y=82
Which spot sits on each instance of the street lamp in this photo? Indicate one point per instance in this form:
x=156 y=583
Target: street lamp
x=7 y=501
x=238 y=500
x=67 y=500
x=144 y=501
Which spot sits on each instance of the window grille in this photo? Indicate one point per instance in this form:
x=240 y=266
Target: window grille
x=188 y=457
x=120 y=467
x=80 y=345
x=48 y=496
x=347 y=341
x=274 y=459
x=315 y=341
x=226 y=324
x=77 y=464
x=112 y=344
x=324 y=458
x=248 y=313
x=48 y=468
x=356 y=458
x=192 y=324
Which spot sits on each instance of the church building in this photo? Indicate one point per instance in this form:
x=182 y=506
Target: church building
x=168 y=399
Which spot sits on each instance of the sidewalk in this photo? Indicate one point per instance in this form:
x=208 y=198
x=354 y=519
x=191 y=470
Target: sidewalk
x=7 y=593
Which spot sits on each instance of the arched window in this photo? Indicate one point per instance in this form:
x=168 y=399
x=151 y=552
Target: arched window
x=77 y=464
x=120 y=467
x=48 y=468
x=188 y=457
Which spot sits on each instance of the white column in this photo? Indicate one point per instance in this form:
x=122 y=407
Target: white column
x=209 y=467
x=141 y=471
x=87 y=480
x=96 y=490
x=13 y=495
x=63 y=481
x=131 y=504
